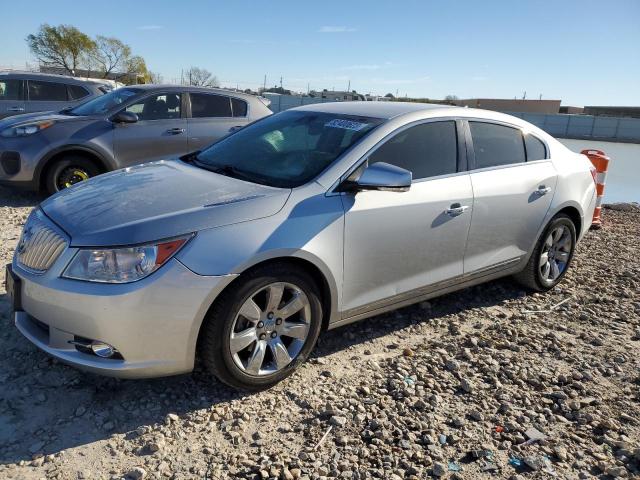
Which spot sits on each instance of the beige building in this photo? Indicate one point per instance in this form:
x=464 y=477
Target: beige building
x=511 y=105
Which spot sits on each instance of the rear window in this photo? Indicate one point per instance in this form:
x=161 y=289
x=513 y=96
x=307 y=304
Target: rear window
x=11 y=89
x=204 y=105
x=495 y=145
x=47 y=91
x=76 y=92
x=536 y=149
x=239 y=107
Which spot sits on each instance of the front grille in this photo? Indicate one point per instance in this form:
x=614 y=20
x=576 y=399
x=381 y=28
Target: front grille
x=40 y=244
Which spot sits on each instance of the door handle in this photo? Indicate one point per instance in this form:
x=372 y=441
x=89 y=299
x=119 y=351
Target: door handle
x=235 y=129
x=175 y=131
x=456 y=209
x=15 y=109
x=543 y=190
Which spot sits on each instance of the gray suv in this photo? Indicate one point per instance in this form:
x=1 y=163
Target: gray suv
x=129 y=125
x=27 y=92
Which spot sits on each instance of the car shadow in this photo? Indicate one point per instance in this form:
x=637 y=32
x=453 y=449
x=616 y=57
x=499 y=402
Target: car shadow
x=10 y=197
x=47 y=407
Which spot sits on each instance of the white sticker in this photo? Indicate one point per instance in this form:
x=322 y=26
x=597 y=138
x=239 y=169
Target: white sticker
x=346 y=124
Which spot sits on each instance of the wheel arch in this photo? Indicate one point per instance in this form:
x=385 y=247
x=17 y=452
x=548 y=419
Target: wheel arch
x=101 y=160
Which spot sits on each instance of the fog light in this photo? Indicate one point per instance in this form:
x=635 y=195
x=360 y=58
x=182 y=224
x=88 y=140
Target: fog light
x=103 y=350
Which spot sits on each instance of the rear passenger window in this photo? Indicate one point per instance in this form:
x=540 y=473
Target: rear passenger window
x=76 y=92
x=239 y=107
x=536 y=150
x=496 y=145
x=426 y=150
x=11 y=89
x=47 y=91
x=205 y=105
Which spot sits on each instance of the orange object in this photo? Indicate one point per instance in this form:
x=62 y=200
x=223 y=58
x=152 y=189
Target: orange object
x=600 y=161
x=499 y=429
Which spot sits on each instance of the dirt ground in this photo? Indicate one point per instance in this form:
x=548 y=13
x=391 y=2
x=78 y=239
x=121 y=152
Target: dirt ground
x=488 y=382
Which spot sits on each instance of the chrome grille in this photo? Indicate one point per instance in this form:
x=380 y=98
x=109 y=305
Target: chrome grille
x=40 y=244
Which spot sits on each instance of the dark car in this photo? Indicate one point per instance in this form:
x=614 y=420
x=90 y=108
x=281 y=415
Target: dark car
x=127 y=126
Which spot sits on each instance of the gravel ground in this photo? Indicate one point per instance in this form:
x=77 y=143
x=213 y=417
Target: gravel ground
x=490 y=381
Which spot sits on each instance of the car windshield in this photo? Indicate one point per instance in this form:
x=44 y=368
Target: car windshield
x=288 y=149
x=106 y=102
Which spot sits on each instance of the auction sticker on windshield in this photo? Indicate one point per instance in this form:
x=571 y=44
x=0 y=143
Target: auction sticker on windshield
x=346 y=124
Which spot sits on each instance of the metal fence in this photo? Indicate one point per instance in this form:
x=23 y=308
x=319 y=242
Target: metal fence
x=582 y=127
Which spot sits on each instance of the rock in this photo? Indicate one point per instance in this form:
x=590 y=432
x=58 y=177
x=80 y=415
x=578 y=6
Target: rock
x=172 y=417
x=466 y=385
x=338 y=421
x=407 y=352
x=439 y=469
x=138 y=473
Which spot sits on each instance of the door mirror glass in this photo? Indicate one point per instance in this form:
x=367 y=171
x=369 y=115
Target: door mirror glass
x=124 y=117
x=382 y=176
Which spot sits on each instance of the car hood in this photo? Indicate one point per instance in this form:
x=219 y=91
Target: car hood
x=157 y=200
x=37 y=116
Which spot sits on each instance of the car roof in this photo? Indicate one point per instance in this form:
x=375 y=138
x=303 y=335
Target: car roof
x=386 y=110
x=47 y=76
x=191 y=88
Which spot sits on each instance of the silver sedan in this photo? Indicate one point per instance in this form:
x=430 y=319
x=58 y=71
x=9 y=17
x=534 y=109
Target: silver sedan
x=305 y=220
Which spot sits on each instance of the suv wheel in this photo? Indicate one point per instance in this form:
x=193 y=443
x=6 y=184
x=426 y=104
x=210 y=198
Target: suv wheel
x=258 y=332
x=551 y=257
x=68 y=171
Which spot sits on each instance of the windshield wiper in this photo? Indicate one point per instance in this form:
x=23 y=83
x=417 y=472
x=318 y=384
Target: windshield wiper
x=191 y=157
x=228 y=170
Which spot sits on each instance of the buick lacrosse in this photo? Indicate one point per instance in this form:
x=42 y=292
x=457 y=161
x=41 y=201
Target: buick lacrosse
x=242 y=253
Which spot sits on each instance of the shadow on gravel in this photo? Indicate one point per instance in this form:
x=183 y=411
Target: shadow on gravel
x=46 y=407
x=10 y=197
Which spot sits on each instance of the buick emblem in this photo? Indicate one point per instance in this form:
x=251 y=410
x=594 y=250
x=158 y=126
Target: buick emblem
x=26 y=236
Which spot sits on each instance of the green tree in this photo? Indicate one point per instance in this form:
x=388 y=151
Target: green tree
x=62 y=46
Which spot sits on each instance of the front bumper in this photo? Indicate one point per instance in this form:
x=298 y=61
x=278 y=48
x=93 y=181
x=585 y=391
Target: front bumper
x=153 y=323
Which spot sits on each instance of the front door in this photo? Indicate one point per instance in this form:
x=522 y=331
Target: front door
x=395 y=243
x=512 y=195
x=159 y=133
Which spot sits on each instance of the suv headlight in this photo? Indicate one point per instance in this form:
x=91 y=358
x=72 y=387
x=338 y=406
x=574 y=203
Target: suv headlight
x=24 y=129
x=122 y=264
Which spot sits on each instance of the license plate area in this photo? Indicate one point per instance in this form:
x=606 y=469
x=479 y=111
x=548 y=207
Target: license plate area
x=12 y=286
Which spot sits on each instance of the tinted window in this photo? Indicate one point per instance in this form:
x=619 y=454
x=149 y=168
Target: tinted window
x=425 y=150
x=239 y=107
x=11 y=90
x=205 y=105
x=76 y=92
x=157 y=107
x=535 y=148
x=105 y=103
x=287 y=149
x=47 y=91
x=496 y=145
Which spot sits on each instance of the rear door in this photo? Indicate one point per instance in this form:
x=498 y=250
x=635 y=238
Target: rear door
x=213 y=116
x=512 y=193
x=11 y=97
x=159 y=133
x=46 y=96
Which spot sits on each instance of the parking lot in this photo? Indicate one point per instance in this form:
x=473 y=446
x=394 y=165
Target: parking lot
x=450 y=387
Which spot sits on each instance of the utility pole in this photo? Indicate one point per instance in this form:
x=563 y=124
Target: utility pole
x=182 y=76
x=280 y=81
x=524 y=95
x=540 y=97
x=264 y=84
x=349 y=86
x=307 y=88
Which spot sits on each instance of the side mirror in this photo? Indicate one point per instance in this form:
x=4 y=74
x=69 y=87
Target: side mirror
x=381 y=176
x=124 y=117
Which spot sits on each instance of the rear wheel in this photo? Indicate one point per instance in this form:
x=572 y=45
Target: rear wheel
x=552 y=255
x=68 y=171
x=258 y=332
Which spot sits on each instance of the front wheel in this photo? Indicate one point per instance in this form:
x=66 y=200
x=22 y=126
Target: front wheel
x=259 y=331
x=552 y=255
x=68 y=171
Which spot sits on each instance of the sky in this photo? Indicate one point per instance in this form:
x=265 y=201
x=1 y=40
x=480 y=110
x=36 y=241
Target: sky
x=582 y=52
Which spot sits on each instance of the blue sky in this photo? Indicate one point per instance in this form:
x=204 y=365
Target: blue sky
x=583 y=52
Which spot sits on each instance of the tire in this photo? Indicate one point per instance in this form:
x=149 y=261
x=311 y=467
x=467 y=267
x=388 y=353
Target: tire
x=73 y=168
x=535 y=275
x=236 y=367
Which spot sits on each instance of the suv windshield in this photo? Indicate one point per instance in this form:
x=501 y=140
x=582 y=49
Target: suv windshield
x=288 y=149
x=105 y=103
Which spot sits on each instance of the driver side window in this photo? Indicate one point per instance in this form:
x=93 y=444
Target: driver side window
x=426 y=150
x=157 y=107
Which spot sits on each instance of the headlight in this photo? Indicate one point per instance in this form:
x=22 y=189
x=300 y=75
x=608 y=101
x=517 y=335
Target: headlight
x=25 y=129
x=121 y=265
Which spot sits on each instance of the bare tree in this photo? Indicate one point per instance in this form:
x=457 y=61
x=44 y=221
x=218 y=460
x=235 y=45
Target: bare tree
x=111 y=56
x=63 y=46
x=451 y=98
x=201 y=77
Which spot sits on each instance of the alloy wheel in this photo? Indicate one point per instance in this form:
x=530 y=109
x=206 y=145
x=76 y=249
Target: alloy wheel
x=555 y=255
x=270 y=329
